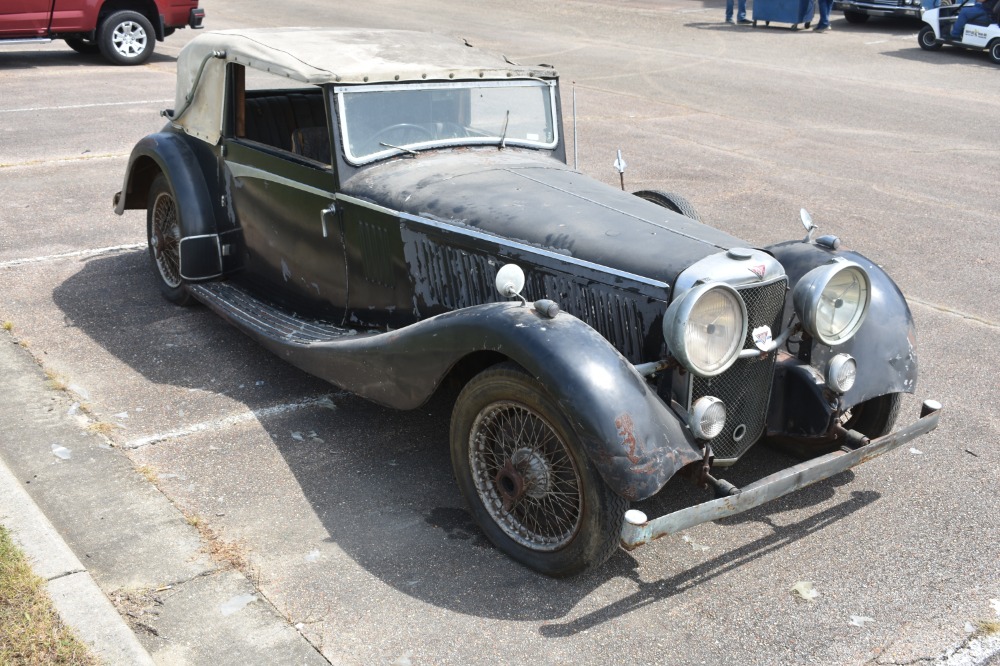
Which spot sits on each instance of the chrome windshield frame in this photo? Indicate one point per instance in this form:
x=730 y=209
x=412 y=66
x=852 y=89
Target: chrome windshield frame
x=339 y=96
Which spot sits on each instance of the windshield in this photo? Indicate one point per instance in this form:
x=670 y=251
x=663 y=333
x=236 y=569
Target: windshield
x=378 y=121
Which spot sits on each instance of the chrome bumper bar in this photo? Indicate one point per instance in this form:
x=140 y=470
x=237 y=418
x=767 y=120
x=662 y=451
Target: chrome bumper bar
x=638 y=530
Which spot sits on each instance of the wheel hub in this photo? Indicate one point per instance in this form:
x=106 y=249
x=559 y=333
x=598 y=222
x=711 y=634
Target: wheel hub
x=525 y=473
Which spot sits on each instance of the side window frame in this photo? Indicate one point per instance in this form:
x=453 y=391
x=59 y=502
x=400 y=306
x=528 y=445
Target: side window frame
x=234 y=127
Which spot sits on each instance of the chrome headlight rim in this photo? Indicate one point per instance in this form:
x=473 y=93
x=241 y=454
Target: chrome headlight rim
x=679 y=313
x=807 y=297
x=705 y=422
x=841 y=373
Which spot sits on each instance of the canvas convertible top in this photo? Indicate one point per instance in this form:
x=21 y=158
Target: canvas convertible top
x=324 y=55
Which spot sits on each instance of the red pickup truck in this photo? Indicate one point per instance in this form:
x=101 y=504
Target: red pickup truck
x=123 y=31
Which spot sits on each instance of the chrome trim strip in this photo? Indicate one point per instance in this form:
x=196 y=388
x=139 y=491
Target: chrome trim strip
x=240 y=170
x=339 y=92
x=438 y=85
x=180 y=252
x=480 y=235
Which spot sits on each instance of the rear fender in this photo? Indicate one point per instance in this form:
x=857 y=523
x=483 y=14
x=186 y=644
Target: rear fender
x=168 y=153
x=636 y=441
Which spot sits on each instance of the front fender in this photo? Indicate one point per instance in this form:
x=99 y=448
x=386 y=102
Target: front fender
x=884 y=346
x=633 y=438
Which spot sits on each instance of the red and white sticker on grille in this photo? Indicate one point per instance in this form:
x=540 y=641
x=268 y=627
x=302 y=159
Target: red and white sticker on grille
x=762 y=337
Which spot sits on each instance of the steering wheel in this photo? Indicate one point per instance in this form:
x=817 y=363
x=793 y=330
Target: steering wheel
x=407 y=131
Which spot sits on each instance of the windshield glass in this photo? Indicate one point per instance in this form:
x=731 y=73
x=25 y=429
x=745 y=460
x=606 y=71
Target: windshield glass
x=384 y=120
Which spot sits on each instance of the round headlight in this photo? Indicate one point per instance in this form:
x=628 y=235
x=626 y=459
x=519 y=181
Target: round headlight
x=705 y=328
x=708 y=416
x=841 y=373
x=832 y=301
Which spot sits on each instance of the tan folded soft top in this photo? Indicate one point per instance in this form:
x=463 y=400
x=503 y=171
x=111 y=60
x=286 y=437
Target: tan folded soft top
x=324 y=56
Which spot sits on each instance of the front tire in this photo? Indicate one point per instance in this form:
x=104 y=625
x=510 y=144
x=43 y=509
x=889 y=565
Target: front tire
x=126 y=38
x=670 y=200
x=927 y=40
x=855 y=17
x=994 y=49
x=531 y=488
x=163 y=234
x=875 y=417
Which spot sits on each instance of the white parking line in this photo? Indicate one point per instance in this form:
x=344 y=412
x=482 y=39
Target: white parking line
x=71 y=255
x=33 y=109
x=234 y=419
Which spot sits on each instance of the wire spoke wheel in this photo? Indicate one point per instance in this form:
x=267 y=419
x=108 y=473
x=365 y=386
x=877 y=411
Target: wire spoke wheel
x=525 y=476
x=164 y=229
x=165 y=238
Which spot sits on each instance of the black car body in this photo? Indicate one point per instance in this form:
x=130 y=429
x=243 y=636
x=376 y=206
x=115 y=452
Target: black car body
x=354 y=218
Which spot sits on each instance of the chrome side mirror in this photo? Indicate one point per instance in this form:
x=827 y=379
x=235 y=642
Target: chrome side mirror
x=510 y=281
x=807 y=222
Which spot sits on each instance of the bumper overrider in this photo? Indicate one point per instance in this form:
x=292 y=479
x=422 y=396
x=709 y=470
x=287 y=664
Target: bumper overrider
x=638 y=529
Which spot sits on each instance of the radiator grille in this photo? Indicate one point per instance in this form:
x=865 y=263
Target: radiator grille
x=746 y=386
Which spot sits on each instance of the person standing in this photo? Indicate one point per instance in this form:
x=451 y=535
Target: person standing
x=981 y=9
x=741 y=12
x=825 y=7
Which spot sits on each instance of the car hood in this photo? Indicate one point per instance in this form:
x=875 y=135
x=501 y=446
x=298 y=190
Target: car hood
x=539 y=201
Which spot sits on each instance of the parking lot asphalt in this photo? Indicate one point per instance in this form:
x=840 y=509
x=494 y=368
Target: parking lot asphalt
x=236 y=510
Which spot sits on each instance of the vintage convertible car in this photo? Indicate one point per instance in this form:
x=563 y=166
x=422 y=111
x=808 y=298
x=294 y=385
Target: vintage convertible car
x=393 y=212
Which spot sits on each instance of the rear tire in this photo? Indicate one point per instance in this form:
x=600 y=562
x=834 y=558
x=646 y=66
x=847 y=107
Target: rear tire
x=927 y=40
x=855 y=17
x=670 y=200
x=163 y=233
x=84 y=46
x=875 y=418
x=531 y=488
x=126 y=38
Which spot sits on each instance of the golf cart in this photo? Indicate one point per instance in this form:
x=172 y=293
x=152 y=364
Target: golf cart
x=979 y=34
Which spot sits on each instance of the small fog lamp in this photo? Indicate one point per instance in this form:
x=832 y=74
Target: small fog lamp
x=708 y=416
x=841 y=373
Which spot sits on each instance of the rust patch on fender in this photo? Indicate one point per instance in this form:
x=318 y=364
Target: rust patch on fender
x=626 y=433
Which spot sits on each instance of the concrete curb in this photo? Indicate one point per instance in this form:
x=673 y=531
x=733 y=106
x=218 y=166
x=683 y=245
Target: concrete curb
x=79 y=601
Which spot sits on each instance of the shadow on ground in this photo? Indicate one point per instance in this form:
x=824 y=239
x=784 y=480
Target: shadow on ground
x=50 y=55
x=380 y=481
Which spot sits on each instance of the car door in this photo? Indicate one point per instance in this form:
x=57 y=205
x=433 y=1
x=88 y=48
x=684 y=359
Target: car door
x=275 y=167
x=25 y=18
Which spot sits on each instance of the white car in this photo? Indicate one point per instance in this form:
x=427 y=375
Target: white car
x=937 y=31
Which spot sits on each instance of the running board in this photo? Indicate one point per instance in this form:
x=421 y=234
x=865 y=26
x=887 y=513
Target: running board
x=258 y=318
x=26 y=40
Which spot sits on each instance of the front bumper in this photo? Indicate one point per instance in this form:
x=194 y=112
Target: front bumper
x=638 y=530
x=873 y=9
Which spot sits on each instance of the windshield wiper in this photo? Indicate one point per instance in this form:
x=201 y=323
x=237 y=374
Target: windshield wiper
x=405 y=150
x=503 y=135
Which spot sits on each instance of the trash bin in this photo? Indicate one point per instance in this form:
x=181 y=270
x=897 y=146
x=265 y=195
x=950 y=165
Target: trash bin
x=784 y=11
